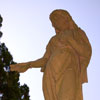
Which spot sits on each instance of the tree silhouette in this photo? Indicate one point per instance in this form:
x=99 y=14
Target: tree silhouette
x=10 y=88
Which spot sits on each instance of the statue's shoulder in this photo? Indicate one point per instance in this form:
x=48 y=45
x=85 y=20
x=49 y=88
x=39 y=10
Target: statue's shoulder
x=53 y=38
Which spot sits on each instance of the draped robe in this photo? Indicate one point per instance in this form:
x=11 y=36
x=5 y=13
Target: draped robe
x=68 y=55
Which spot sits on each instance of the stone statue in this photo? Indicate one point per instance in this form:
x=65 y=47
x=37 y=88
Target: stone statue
x=65 y=61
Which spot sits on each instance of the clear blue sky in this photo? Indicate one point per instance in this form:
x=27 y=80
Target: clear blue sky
x=27 y=30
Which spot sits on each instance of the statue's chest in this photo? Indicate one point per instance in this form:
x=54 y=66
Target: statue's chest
x=58 y=44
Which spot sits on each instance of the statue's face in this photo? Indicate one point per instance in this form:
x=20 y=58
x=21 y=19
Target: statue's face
x=60 y=24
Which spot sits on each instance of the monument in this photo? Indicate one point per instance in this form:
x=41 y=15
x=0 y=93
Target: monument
x=65 y=61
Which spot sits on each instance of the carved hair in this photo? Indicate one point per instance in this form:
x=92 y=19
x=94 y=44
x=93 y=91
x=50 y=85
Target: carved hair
x=59 y=13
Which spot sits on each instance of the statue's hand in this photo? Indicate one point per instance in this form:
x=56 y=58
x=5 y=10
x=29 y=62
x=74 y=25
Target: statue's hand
x=21 y=67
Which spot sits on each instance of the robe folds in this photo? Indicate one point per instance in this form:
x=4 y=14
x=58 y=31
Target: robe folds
x=68 y=55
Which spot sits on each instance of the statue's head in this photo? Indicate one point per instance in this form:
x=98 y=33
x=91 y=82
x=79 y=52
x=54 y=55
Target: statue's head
x=62 y=20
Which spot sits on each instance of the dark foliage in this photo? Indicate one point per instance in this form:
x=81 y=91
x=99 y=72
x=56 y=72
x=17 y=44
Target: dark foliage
x=10 y=88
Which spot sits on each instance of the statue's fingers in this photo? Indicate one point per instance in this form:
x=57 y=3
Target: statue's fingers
x=13 y=68
x=11 y=65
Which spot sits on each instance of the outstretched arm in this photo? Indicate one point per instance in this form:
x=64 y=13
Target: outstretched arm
x=22 y=67
x=38 y=63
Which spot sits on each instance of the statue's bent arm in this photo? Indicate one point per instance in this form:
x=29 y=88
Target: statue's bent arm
x=81 y=44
